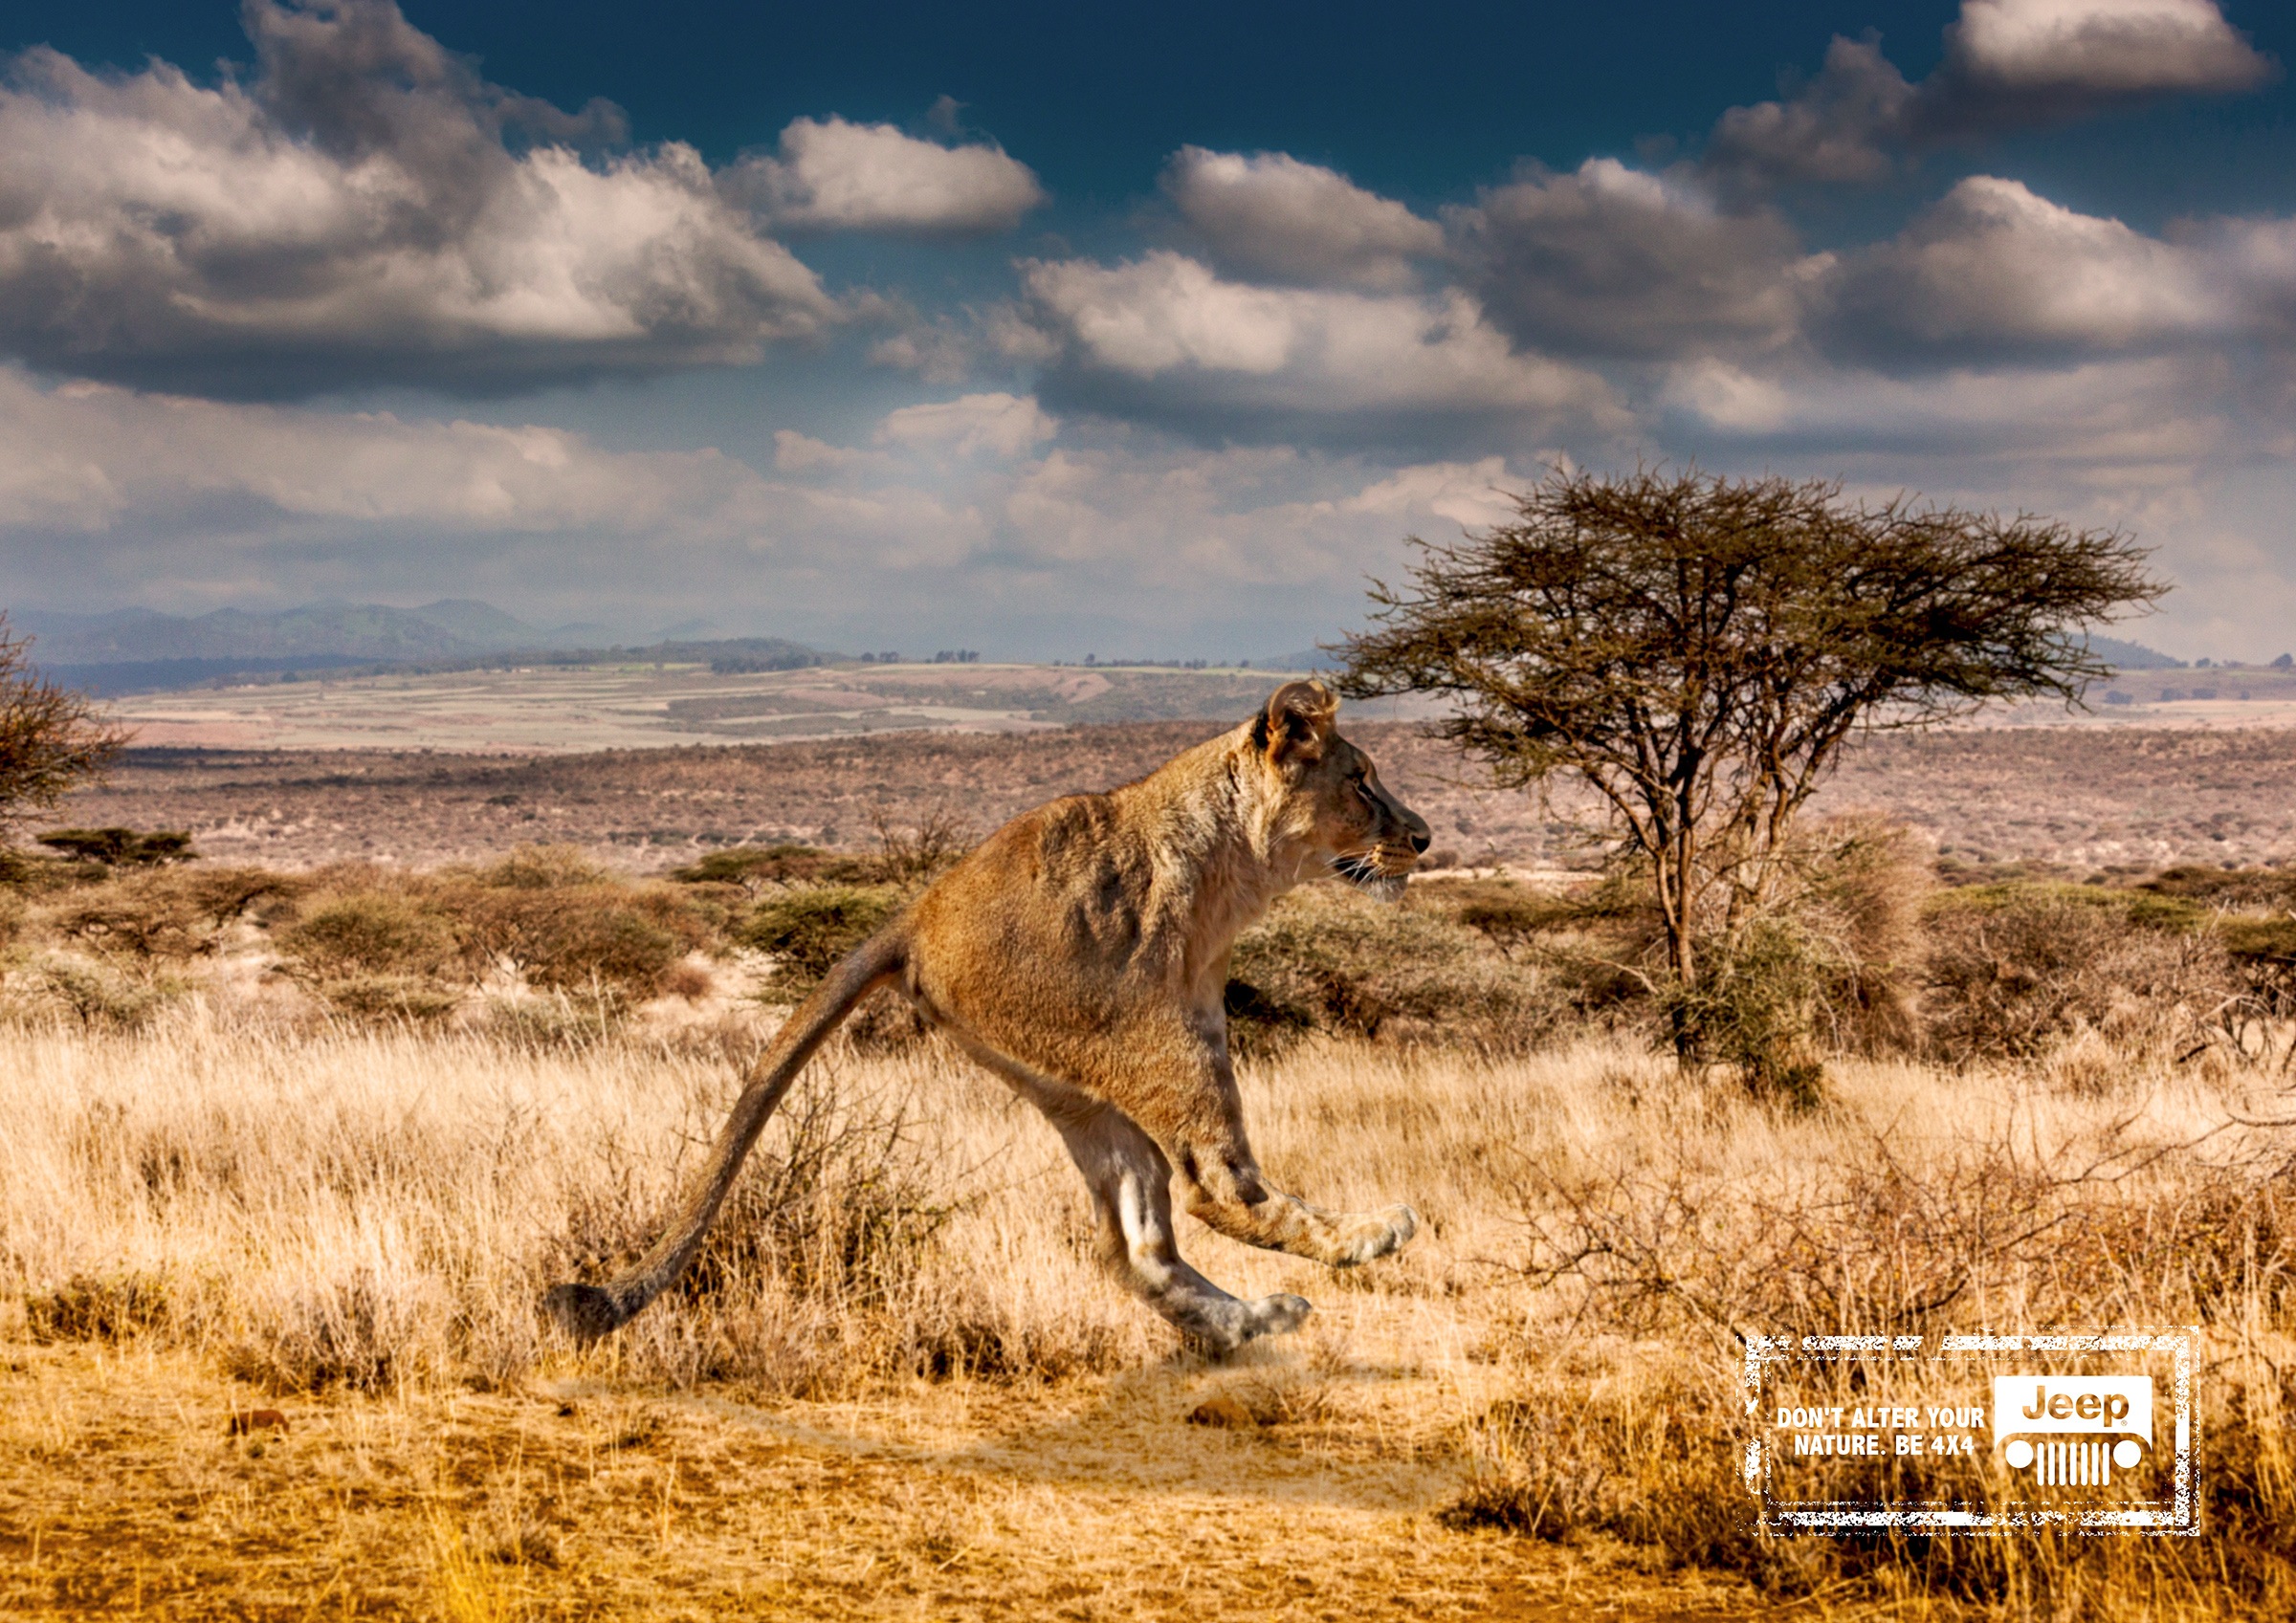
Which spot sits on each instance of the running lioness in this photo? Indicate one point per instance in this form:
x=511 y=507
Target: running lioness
x=1081 y=954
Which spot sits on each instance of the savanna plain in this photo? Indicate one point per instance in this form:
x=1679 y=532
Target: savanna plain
x=295 y=1135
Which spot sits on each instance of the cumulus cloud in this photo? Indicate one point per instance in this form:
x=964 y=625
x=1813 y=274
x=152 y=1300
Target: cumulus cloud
x=1165 y=333
x=834 y=175
x=1991 y=269
x=1268 y=214
x=1844 y=127
x=1613 y=261
x=2007 y=63
x=358 y=210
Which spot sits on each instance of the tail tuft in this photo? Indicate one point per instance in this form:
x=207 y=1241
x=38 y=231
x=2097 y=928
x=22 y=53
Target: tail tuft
x=584 y=1311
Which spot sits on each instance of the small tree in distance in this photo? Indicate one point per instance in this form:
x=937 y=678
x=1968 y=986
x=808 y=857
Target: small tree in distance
x=1698 y=649
x=52 y=738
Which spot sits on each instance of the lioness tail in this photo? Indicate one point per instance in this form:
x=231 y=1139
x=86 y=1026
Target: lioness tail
x=591 y=1310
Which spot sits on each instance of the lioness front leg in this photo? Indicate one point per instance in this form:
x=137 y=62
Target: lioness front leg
x=1132 y=1207
x=1201 y=1129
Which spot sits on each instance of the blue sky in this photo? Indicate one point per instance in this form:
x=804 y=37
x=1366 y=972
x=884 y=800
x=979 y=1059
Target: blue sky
x=1048 y=330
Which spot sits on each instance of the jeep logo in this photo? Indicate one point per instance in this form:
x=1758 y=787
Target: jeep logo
x=2115 y=1411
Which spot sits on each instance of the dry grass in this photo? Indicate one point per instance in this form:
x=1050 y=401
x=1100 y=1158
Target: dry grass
x=896 y=1385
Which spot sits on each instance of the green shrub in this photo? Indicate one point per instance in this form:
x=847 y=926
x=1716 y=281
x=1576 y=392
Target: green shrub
x=368 y=935
x=2263 y=888
x=103 y=997
x=414 y=998
x=1329 y=961
x=753 y=868
x=808 y=929
x=174 y=914
x=623 y=939
x=1757 y=1008
x=544 y=868
x=121 y=847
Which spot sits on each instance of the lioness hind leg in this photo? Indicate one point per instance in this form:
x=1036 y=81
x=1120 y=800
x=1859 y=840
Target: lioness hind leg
x=1131 y=1205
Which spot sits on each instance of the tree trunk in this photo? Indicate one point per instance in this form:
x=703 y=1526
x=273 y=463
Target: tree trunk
x=1676 y=910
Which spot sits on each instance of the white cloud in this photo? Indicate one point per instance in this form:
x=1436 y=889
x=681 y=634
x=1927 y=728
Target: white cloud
x=94 y=457
x=1268 y=214
x=1115 y=538
x=1992 y=267
x=1165 y=330
x=1002 y=424
x=2102 y=48
x=353 y=213
x=1610 y=260
x=1470 y=494
x=794 y=453
x=2106 y=423
x=835 y=175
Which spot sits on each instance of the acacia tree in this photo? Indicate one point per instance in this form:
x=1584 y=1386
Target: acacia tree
x=52 y=738
x=1698 y=649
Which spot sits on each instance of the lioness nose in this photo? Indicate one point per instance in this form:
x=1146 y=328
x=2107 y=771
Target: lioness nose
x=1421 y=837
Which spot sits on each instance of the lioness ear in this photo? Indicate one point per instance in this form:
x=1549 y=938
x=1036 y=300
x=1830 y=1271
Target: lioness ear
x=1299 y=721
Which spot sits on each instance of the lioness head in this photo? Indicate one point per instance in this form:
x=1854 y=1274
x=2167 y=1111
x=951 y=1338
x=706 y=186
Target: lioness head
x=1333 y=800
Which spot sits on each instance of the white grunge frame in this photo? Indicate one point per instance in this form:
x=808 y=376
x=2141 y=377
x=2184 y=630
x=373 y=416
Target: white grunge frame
x=1982 y=1355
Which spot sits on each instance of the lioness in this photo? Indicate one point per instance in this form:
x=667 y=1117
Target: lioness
x=1081 y=954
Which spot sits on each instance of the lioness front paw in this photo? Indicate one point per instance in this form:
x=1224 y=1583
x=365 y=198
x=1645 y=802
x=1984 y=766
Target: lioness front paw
x=1374 y=1237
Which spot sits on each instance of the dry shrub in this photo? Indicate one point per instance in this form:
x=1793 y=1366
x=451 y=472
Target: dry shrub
x=2271 y=888
x=570 y=926
x=910 y=857
x=619 y=940
x=2016 y=970
x=826 y=1269
x=1857 y=884
x=1650 y=1457
x=364 y=1331
x=545 y=867
x=1328 y=960
x=1669 y=1248
x=97 y=1308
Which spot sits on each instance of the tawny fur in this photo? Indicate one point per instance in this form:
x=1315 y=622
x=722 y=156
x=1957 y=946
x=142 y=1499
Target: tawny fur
x=1081 y=953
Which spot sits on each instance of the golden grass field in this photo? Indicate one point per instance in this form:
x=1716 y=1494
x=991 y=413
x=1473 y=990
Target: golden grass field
x=899 y=1388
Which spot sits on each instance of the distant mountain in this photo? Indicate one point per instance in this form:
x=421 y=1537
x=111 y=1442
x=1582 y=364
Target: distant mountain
x=140 y=650
x=479 y=623
x=2131 y=656
x=1306 y=659
x=359 y=633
